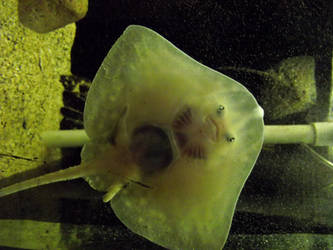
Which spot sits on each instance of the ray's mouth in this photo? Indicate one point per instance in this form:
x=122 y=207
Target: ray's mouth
x=214 y=127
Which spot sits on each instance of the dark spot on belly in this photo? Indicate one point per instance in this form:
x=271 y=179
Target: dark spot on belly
x=151 y=148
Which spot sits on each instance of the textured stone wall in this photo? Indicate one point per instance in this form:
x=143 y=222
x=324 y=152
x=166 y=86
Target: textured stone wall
x=30 y=90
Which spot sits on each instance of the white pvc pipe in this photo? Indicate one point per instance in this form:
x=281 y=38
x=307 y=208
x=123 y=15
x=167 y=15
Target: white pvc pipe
x=289 y=134
x=317 y=134
x=323 y=133
x=65 y=138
